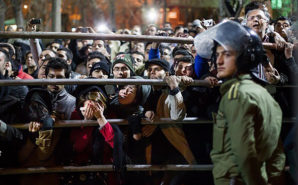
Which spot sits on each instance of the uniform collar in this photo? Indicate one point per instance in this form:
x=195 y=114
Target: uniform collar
x=227 y=84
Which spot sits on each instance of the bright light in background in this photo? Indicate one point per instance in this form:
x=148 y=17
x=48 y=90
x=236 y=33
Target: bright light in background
x=25 y=6
x=152 y=15
x=14 y=27
x=101 y=27
x=73 y=29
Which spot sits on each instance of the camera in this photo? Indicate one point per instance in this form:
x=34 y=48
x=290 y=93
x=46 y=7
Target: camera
x=208 y=23
x=162 y=34
x=35 y=21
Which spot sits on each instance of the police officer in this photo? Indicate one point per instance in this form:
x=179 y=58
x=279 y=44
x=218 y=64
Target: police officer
x=248 y=123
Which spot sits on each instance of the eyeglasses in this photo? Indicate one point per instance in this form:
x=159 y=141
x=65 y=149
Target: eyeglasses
x=259 y=17
x=122 y=69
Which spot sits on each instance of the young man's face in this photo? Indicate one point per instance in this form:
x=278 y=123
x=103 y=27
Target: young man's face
x=166 y=55
x=156 y=72
x=257 y=21
x=98 y=45
x=42 y=70
x=184 y=69
x=30 y=63
x=281 y=26
x=54 y=46
x=139 y=60
x=151 y=30
x=99 y=73
x=62 y=54
x=90 y=63
x=56 y=74
x=121 y=70
x=45 y=54
x=226 y=62
x=139 y=47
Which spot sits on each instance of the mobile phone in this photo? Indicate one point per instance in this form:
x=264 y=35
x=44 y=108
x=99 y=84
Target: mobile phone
x=35 y=21
x=84 y=30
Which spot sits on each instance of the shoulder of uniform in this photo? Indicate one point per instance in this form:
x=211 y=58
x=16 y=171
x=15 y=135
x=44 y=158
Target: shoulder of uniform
x=234 y=91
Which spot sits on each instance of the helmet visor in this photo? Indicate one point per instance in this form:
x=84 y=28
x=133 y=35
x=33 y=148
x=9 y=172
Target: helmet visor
x=229 y=34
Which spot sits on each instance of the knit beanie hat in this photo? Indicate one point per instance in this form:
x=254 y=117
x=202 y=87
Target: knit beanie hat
x=125 y=59
x=100 y=65
x=162 y=63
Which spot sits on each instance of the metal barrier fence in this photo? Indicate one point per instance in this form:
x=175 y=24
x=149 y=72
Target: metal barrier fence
x=104 y=168
x=157 y=82
x=161 y=121
x=98 y=36
x=78 y=123
x=94 y=81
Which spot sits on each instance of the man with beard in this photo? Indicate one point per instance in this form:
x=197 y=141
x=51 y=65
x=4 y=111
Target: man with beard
x=167 y=142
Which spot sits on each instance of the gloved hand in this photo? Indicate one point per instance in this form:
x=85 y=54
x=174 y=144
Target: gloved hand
x=47 y=123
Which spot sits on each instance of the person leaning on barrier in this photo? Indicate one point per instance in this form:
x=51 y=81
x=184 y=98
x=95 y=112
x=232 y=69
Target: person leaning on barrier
x=122 y=66
x=94 y=57
x=166 y=103
x=10 y=137
x=96 y=145
x=12 y=103
x=100 y=70
x=38 y=146
x=281 y=25
x=166 y=143
x=247 y=125
x=63 y=102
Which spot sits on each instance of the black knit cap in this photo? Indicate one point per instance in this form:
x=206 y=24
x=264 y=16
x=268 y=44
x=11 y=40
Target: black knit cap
x=100 y=65
x=162 y=63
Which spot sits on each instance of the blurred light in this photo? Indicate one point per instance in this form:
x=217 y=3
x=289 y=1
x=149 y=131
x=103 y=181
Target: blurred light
x=73 y=29
x=101 y=28
x=25 y=6
x=172 y=15
x=152 y=15
x=14 y=27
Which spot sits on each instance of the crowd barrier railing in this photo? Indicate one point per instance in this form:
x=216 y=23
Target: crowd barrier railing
x=79 y=123
x=95 y=36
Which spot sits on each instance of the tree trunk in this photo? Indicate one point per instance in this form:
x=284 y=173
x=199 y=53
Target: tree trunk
x=56 y=15
x=112 y=15
x=2 y=14
x=17 y=7
x=165 y=12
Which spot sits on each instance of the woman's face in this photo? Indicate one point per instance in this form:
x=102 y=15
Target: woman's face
x=127 y=94
x=84 y=108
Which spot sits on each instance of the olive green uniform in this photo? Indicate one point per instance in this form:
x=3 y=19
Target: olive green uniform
x=246 y=134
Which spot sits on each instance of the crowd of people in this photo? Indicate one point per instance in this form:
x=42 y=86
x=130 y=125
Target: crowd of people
x=178 y=65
